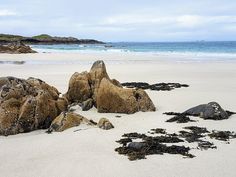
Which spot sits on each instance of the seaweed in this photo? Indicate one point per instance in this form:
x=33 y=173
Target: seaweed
x=222 y=135
x=137 y=146
x=156 y=87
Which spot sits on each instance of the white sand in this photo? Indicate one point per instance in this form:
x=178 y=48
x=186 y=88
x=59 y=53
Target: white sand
x=90 y=152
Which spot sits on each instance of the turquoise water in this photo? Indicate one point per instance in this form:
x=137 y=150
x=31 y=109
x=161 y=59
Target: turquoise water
x=151 y=47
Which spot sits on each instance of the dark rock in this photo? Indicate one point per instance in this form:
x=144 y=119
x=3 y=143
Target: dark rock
x=86 y=105
x=211 y=110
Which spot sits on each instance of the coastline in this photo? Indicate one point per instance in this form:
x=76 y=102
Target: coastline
x=69 y=153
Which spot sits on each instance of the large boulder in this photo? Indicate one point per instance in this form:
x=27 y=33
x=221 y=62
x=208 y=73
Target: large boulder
x=27 y=105
x=114 y=99
x=79 y=88
x=83 y=86
x=211 y=110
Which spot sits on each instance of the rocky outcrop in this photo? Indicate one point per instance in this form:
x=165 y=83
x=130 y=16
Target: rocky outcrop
x=16 y=48
x=105 y=124
x=111 y=98
x=67 y=120
x=107 y=94
x=27 y=105
x=45 y=39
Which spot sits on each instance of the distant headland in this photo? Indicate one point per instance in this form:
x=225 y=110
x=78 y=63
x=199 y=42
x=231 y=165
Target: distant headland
x=45 y=39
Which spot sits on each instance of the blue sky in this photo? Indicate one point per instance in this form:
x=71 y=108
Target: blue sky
x=122 y=20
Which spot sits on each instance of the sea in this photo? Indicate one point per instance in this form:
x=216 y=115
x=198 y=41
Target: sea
x=198 y=50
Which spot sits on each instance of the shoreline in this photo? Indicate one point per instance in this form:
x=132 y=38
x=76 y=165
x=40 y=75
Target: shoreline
x=115 y=56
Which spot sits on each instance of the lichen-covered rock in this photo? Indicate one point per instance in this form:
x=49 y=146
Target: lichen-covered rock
x=67 y=120
x=27 y=105
x=211 y=110
x=113 y=99
x=105 y=124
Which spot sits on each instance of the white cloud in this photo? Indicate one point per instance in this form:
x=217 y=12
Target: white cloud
x=183 y=21
x=5 y=12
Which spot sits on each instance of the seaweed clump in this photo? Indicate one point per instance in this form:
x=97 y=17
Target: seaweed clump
x=156 y=87
x=137 y=146
x=149 y=145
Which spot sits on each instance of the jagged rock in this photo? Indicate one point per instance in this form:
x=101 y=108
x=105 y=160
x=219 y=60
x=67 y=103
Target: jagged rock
x=27 y=105
x=67 y=120
x=79 y=88
x=105 y=124
x=114 y=99
x=97 y=73
x=16 y=47
x=84 y=86
x=211 y=110
x=86 y=105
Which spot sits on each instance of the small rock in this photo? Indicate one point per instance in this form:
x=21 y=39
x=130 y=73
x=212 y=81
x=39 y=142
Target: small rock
x=105 y=124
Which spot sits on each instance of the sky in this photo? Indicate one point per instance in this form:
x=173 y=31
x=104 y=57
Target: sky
x=122 y=20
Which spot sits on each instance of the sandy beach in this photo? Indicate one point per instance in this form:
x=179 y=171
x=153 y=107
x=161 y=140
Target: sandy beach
x=90 y=152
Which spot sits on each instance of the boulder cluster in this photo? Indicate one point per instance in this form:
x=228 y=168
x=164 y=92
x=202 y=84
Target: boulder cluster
x=31 y=104
x=95 y=88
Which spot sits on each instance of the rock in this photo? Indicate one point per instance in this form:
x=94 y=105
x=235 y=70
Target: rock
x=62 y=104
x=105 y=124
x=27 y=105
x=16 y=48
x=97 y=73
x=67 y=120
x=88 y=85
x=113 y=99
x=86 y=105
x=211 y=110
x=79 y=88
